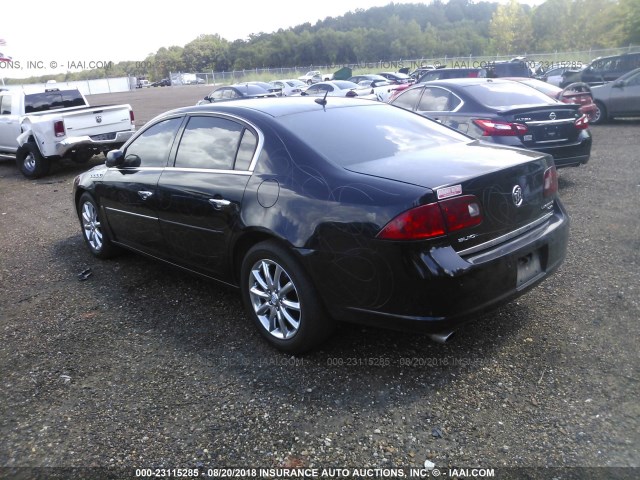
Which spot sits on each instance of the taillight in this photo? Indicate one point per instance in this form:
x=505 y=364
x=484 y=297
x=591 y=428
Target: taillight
x=493 y=128
x=582 y=123
x=461 y=212
x=418 y=223
x=550 y=186
x=434 y=219
x=58 y=128
x=131 y=116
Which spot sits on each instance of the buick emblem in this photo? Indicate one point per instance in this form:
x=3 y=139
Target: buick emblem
x=552 y=115
x=516 y=195
x=98 y=119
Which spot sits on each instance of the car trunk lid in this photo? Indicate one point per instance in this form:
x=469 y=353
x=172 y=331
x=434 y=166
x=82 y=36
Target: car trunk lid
x=508 y=184
x=546 y=125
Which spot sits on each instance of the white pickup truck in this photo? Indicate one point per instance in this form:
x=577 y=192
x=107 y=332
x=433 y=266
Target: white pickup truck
x=37 y=128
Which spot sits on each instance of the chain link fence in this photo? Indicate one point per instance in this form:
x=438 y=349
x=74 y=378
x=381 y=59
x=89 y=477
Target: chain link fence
x=545 y=60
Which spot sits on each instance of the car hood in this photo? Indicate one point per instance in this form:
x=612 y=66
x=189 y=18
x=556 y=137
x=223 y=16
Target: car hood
x=445 y=165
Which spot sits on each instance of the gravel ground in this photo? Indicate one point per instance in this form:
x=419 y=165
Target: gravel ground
x=141 y=366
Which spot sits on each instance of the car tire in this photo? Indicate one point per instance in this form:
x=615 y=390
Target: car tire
x=600 y=115
x=94 y=232
x=31 y=162
x=281 y=300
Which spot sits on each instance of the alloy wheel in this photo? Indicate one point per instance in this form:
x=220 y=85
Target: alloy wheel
x=275 y=299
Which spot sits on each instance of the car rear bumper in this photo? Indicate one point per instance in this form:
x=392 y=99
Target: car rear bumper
x=106 y=141
x=436 y=290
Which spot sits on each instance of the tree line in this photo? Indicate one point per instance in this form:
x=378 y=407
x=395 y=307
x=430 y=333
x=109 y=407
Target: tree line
x=396 y=31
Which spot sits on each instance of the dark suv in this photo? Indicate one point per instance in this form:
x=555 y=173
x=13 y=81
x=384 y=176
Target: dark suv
x=603 y=70
x=512 y=68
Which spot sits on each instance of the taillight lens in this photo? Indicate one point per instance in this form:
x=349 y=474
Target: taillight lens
x=582 y=123
x=461 y=212
x=434 y=219
x=550 y=186
x=493 y=128
x=131 y=116
x=419 y=223
x=58 y=128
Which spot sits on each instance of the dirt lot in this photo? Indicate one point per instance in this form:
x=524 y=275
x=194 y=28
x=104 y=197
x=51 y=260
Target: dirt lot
x=140 y=366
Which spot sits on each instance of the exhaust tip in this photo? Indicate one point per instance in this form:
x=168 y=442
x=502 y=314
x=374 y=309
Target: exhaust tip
x=442 y=337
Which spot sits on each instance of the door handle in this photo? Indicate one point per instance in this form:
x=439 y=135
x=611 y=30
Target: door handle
x=144 y=194
x=219 y=203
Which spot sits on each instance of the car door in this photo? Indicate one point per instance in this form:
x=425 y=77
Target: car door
x=200 y=196
x=9 y=123
x=625 y=97
x=128 y=194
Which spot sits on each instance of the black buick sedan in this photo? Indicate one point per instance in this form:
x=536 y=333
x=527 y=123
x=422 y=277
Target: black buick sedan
x=504 y=112
x=330 y=210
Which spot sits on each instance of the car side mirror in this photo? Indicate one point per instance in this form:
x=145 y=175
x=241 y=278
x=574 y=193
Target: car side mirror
x=115 y=158
x=208 y=98
x=618 y=84
x=131 y=161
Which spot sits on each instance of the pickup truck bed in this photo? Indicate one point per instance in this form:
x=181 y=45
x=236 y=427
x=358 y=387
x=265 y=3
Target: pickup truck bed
x=41 y=127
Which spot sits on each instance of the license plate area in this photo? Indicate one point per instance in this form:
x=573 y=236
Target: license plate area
x=551 y=133
x=529 y=268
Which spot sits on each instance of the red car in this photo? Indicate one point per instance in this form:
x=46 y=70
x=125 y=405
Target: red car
x=579 y=93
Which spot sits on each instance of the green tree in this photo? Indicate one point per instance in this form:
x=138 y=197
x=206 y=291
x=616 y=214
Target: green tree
x=205 y=53
x=630 y=21
x=510 y=29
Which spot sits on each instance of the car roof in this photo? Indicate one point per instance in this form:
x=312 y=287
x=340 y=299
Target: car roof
x=274 y=107
x=464 y=82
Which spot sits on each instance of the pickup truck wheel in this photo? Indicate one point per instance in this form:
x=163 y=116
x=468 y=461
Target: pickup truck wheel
x=95 y=235
x=31 y=162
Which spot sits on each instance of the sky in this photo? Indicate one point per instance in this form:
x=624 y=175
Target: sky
x=89 y=34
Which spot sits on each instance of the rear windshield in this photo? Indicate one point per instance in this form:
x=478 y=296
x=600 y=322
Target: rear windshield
x=350 y=135
x=54 y=100
x=508 y=95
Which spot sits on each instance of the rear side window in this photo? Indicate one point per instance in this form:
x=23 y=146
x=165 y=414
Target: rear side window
x=54 y=100
x=436 y=99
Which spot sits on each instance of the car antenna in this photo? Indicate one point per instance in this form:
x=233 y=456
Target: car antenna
x=322 y=101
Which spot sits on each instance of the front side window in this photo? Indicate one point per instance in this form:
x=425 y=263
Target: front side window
x=214 y=143
x=408 y=99
x=152 y=147
x=217 y=95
